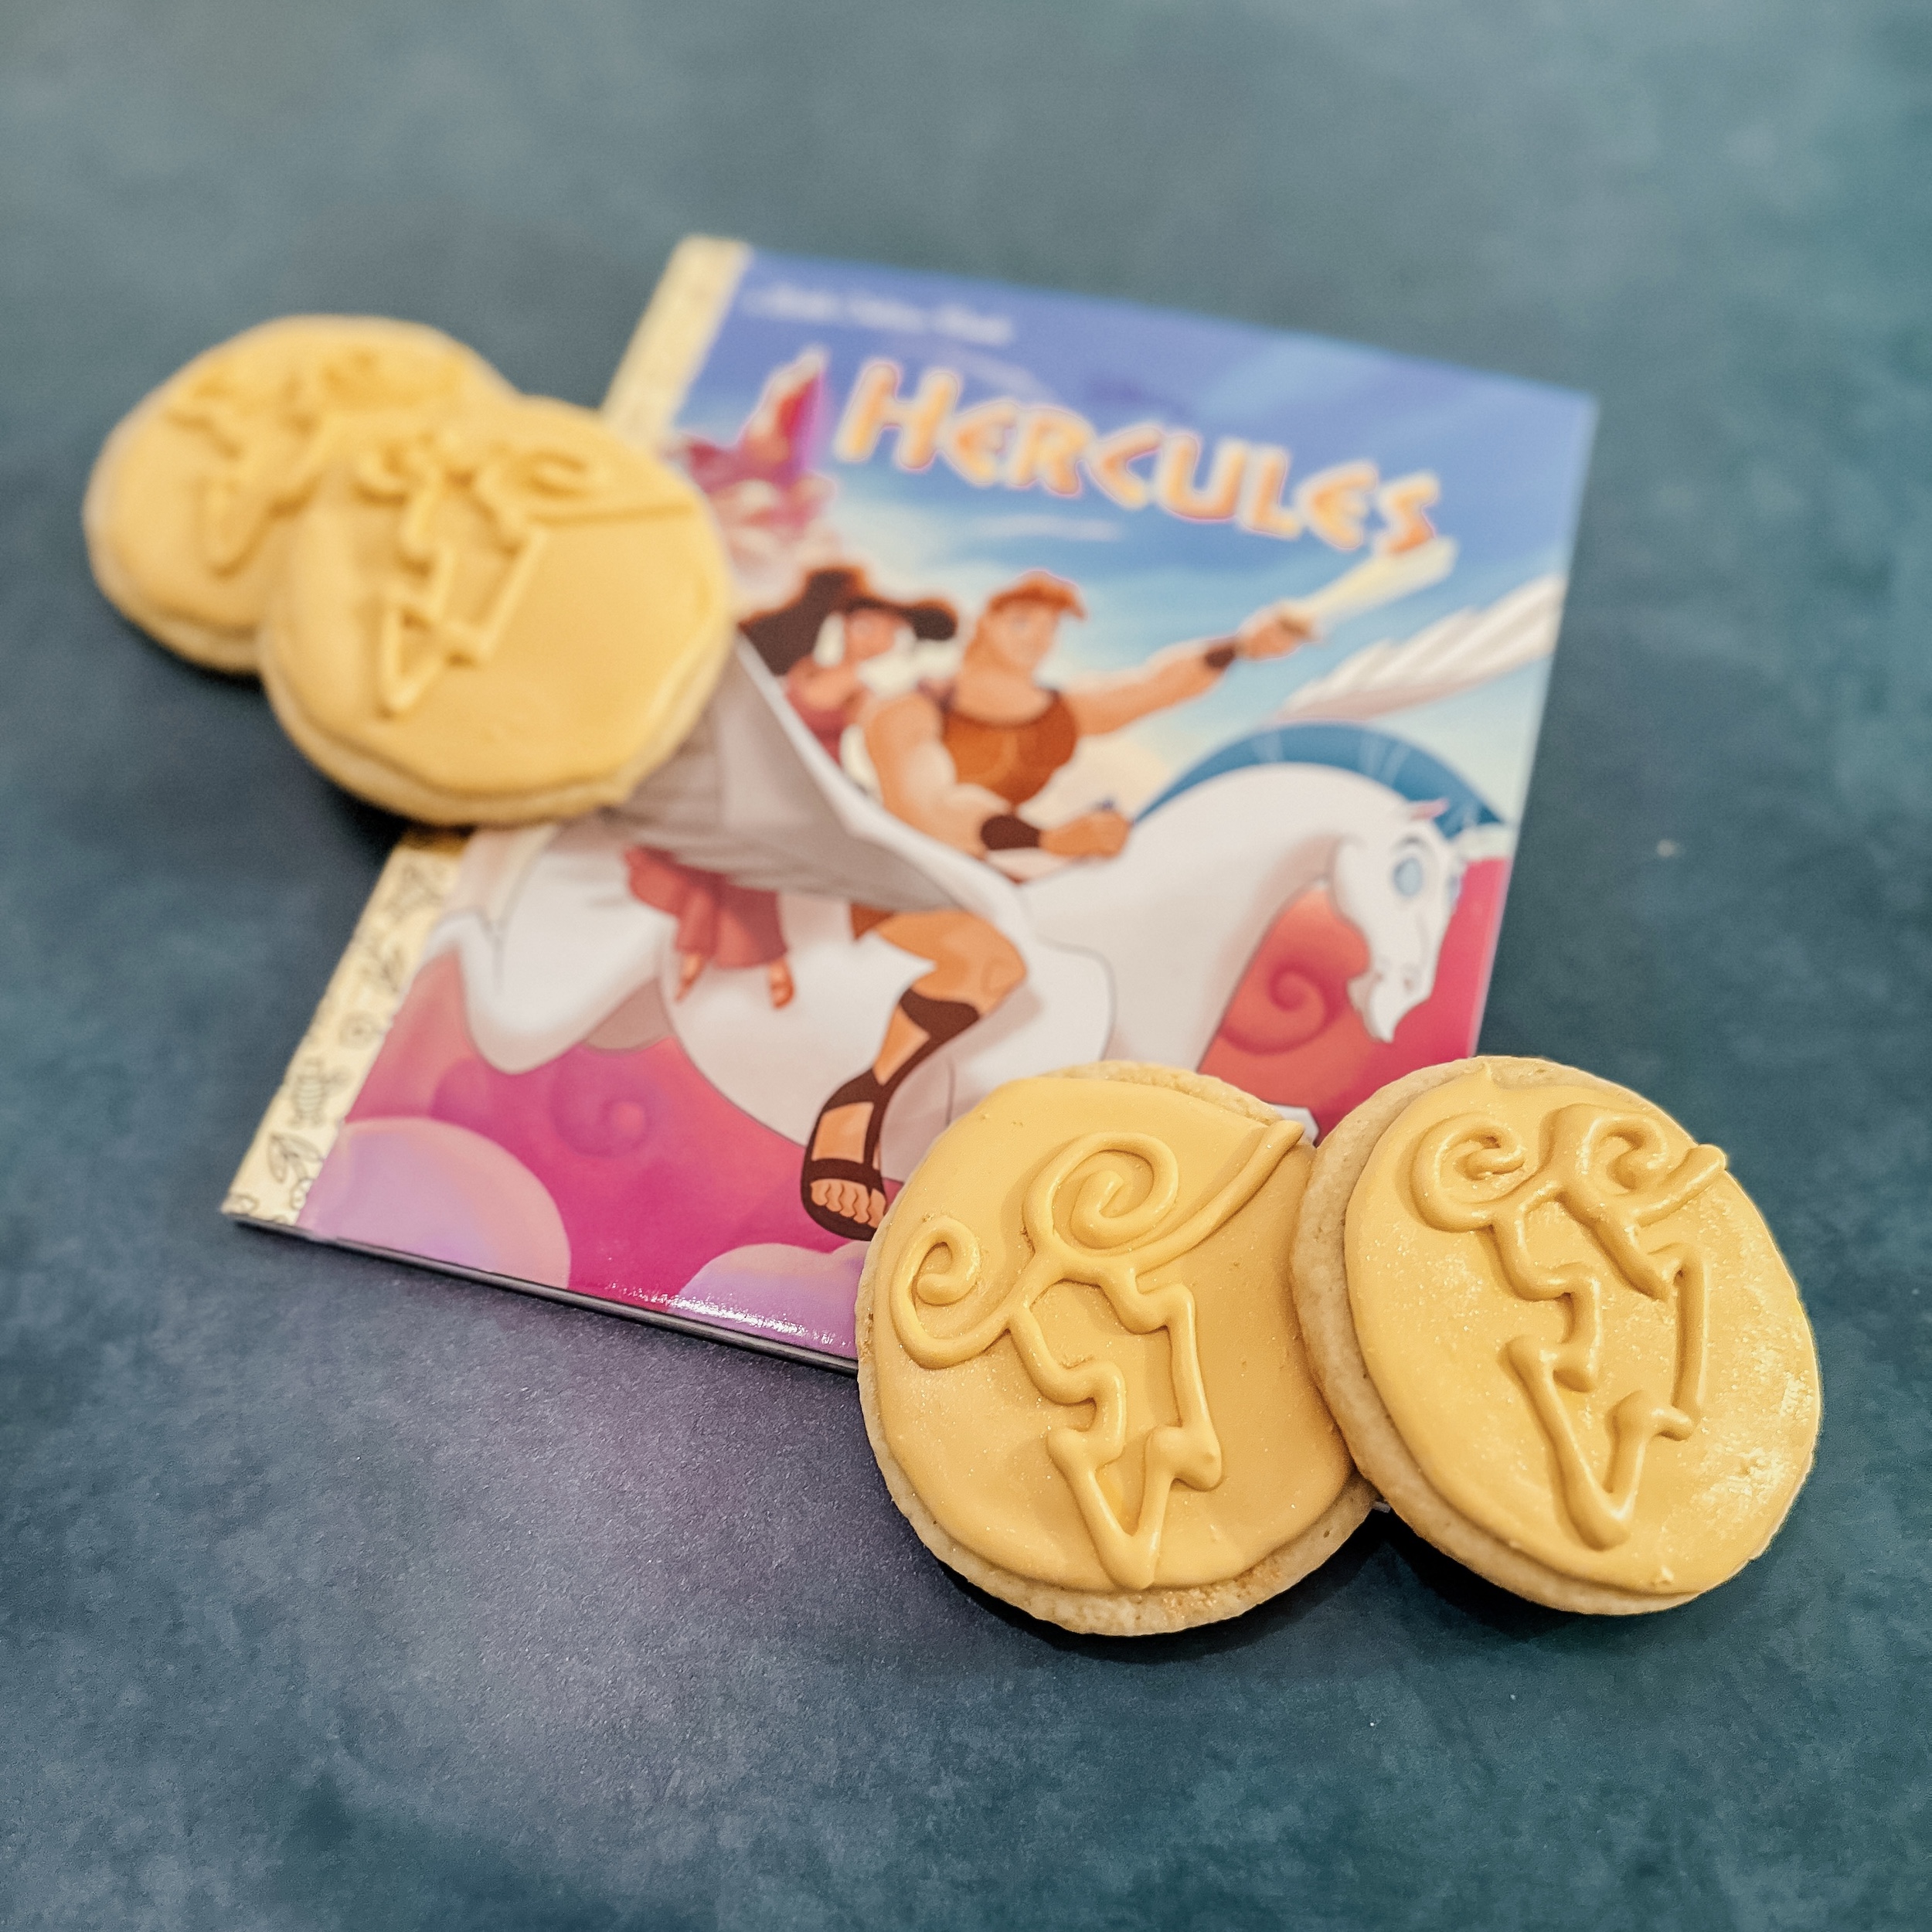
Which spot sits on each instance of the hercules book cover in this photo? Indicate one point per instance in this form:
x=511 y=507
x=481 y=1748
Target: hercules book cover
x=1110 y=684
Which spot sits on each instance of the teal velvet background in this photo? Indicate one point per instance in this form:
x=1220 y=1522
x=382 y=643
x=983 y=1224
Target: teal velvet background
x=333 y=1594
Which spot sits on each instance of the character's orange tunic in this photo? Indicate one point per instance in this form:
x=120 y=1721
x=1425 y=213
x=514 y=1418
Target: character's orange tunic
x=1013 y=760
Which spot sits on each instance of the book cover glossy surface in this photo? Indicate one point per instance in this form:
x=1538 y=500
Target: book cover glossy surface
x=1112 y=684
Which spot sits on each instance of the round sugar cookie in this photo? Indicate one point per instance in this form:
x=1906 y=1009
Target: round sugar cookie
x=1557 y=1334
x=187 y=512
x=1079 y=1359
x=507 y=614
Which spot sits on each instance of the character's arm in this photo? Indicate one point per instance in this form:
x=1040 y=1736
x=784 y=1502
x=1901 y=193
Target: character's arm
x=1184 y=671
x=918 y=781
x=824 y=687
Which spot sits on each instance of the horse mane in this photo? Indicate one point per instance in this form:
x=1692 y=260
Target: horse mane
x=1406 y=769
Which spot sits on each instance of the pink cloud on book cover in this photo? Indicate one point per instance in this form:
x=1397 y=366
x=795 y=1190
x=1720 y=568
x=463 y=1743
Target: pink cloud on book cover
x=628 y=1178
x=623 y=1176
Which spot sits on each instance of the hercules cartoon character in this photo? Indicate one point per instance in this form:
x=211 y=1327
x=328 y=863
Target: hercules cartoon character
x=959 y=763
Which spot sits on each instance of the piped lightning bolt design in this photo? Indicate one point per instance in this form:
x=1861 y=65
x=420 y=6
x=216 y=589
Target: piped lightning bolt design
x=276 y=436
x=1612 y=1173
x=1109 y=1247
x=517 y=492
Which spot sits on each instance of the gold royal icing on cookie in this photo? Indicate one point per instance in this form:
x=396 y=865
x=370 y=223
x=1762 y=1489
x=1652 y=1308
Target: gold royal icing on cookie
x=1583 y=1331
x=1088 y=1361
x=506 y=601
x=203 y=481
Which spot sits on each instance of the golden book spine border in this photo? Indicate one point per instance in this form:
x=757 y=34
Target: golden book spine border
x=687 y=308
x=336 y=1053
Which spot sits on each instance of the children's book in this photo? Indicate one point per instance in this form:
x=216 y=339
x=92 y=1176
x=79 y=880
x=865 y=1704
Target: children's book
x=1110 y=684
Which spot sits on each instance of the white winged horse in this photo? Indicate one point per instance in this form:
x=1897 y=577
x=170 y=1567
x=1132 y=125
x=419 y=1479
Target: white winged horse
x=1135 y=956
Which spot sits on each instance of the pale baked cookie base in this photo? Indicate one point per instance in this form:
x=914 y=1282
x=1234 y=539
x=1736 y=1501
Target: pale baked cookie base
x=1130 y=1613
x=213 y=650
x=1320 y=1267
x=387 y=785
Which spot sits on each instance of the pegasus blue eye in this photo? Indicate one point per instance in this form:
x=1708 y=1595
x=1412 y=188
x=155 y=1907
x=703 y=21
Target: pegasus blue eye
x=1408 y=876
